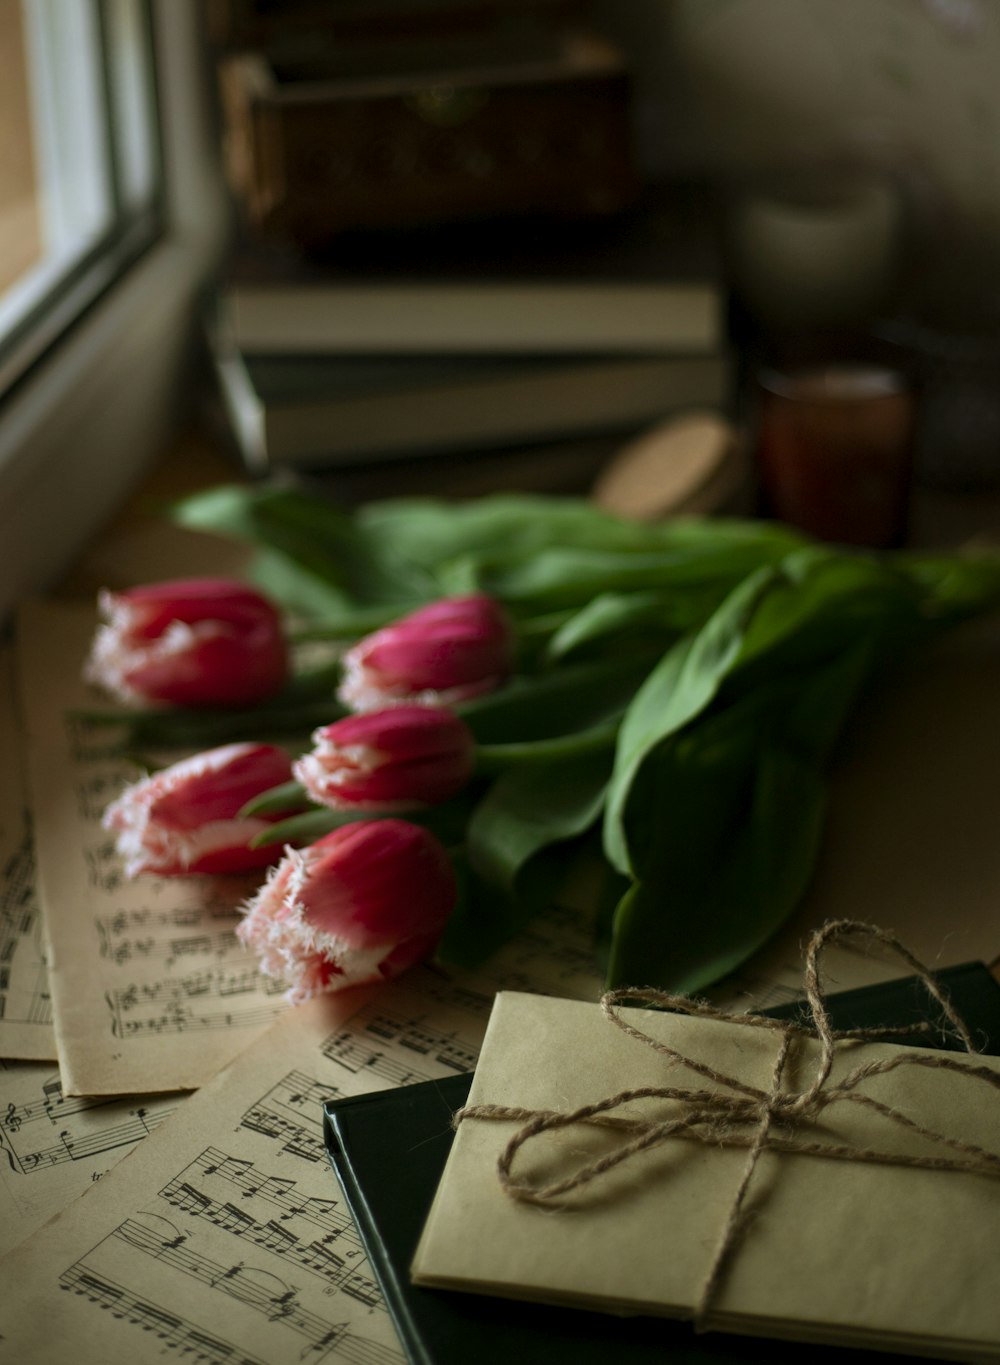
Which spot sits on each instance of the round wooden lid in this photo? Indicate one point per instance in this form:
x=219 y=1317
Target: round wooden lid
x=690 y=464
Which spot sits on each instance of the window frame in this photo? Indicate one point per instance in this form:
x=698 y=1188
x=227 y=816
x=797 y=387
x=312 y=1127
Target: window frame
x=96 y=406
x=130 y=232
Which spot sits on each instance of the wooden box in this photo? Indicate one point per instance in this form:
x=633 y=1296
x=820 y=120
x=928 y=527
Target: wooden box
x=376 y=138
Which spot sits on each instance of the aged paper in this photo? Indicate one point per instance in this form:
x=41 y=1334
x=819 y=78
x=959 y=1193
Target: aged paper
x=25 y=1008
x=224 y=1236
x=838 y=1251
x=151 y=990
x=54 y=1146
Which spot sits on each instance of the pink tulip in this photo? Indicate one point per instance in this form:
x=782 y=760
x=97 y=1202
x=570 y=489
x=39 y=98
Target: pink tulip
x=395 y=759
x=361 y=904
x=452 y=649
x=185 y=818
x=190 y=642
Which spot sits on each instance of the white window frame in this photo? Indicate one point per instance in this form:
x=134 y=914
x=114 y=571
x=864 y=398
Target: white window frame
x=81 y=429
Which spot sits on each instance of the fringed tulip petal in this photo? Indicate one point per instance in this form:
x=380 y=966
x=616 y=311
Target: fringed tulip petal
x=394 y=759
x=443 y=653
x=189 y=642
x=185 y=818
x=361 y=904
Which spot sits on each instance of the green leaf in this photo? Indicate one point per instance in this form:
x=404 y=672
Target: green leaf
x=197 y=729
x=316 y=552
x=686 y=924
x=431 y=532
x=683 y=684
x=820 y=602
x=559 y=577
x=486 y=916
x=725 y=822
x=609 y=613
x=527 y=809
x=526 y=549
x=954 y=587
x=558 y=702
x=512 y=861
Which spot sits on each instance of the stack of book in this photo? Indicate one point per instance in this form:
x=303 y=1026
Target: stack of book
x=479 y=338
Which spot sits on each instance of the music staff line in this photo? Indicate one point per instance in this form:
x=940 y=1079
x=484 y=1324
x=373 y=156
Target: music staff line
x=318 y=1257
x=170 y=950
x=215 y=982
x=24 y=984
x=194 y=1003
x=363 y=1047
x=128 y=921
x=290 y=1113
x=258 y=1289
x=275 y=1190
x=170 y=1328
x=27 y=1157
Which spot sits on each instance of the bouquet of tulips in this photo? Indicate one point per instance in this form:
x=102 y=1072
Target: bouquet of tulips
x=514 y=683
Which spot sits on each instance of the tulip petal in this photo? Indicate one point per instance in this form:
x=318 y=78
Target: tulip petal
x=443 y=653
x=397 y=758
x=362 y=904
x=189 y=642
x=186 y=819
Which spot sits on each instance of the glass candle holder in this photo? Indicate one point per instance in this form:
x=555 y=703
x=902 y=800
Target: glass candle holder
x=834 y=451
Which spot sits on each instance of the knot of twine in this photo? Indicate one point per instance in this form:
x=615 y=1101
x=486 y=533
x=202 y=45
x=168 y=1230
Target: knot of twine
x=742 y=1115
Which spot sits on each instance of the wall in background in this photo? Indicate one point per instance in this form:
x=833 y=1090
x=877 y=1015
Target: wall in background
x=905 y=89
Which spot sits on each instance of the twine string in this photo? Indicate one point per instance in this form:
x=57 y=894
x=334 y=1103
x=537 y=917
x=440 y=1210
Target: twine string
x=736 y=1114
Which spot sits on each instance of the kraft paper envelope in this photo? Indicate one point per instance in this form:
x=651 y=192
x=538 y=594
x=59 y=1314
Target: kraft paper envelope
x=832 y=1251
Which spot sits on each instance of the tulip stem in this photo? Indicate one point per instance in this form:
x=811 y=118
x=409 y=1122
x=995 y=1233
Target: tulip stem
x=494 y=758
x=284 y=798
x=359 y=622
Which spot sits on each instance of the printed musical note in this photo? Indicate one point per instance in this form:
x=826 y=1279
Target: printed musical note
x=170 y=1328
x=193 y=1003
x=25 y=1005
x=248 y=1280
x=290 y=1113
x=53 y=1146
x=364 y=1049
x=314 y=1234
x=114 y=1123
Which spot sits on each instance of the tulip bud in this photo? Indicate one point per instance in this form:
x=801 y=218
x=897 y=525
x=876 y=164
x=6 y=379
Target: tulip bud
x=442 y=653
x=361 y=904
x=185 y=818
x=190 y=642
x=395 y=759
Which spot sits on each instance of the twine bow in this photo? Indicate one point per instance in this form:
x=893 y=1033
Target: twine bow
x=743 y=1115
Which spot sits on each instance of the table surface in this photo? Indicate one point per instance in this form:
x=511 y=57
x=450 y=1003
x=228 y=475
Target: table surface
x=943 y=784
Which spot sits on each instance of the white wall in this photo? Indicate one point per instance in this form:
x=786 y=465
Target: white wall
x=905 y=88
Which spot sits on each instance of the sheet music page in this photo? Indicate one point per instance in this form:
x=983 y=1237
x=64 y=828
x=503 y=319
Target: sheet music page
x=26 y=1030
x=151 y=990
x=224 y=1236
x=53 y=1147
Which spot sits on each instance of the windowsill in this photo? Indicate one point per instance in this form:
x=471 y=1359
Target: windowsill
x=141 y=545
x=80 y=432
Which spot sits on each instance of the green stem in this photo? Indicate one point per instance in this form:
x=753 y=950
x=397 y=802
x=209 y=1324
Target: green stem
x=495 y=758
